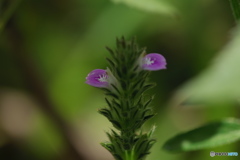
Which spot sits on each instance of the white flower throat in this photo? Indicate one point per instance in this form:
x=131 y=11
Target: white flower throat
x=149 y=61
x=102 y=78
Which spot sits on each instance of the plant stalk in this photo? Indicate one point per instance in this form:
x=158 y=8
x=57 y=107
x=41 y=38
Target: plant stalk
x=129 y=155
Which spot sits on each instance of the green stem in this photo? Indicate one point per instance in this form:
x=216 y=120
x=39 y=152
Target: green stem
x=235 y=5
x=8 y=13
x=129 y=155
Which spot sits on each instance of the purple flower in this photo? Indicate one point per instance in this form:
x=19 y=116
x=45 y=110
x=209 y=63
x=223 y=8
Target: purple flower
x=153 y=62
x=98 y=78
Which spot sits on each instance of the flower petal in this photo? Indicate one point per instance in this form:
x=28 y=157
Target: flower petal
x=153 y=62
x=97 y=78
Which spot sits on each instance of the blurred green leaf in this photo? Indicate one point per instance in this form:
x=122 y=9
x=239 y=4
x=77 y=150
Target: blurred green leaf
x=154 y=6
x=6 y=15
x=235 y=9
x=219 y=83
x=210 y=135
x=78 y=64
x=45 y=141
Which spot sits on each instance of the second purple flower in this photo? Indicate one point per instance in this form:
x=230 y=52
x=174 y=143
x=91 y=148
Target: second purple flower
x=153 y=62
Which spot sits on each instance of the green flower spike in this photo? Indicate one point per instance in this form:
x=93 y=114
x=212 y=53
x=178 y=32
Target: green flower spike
x=124 y=84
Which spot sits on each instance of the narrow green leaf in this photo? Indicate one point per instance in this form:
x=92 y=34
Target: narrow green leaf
x=141 y=156
x=112 y=95
x=117 y=113
x=116 y=124
x=106 y=113
x=135 y=113
x=150 y=144
x=135 y=93
x=140 y=100
x=147 y=87
x=111 y=63
x=210 y=135
x=111 y=51
x=144 y=113
x=137 y=83
x=148 y=117
x=114 y=133
x=147 y=103
x=115 y=88
x=109 y=104
x=108 y=146
x=109 y=136
x=105 y=90
x=150 y=133
x=116 y=103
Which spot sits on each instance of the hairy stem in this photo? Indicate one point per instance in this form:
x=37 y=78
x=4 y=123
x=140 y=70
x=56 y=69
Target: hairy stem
x=127 y=110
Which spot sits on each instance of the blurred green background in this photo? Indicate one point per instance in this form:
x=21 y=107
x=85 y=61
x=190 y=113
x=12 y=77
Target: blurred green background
x=48 y=47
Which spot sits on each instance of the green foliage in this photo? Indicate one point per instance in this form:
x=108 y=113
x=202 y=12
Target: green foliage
x=235 y=5
x=154 y=6
x=5 y=15
x=219 y=83
x=128 y=110
x=210 y=135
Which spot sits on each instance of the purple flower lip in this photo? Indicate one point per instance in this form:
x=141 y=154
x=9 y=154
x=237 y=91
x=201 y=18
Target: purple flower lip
x=98 y=78
x=153 y=62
